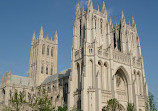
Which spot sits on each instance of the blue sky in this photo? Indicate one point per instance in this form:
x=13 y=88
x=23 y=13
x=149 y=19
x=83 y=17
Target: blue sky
x=20 y=18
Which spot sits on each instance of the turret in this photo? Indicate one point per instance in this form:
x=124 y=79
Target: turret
x=56 y=37
x=110 y=23
x=129 y=23
x=33 y=37
x=104 y=8
x=123 y=21
x=41 y=33
x=133 y=22
x=89 y=5
x=47 y=37
x=78 y=12
x=51 y=38
x=98 y=8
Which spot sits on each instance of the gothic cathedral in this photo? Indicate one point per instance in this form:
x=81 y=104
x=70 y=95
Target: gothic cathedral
x=106 y=63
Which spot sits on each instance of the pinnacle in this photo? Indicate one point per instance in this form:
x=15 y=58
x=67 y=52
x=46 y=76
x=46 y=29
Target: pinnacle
x=98 y=8
x=103 y=8
x=90 y=4
x=41 y=32
x=56 y=35
x=78 y=9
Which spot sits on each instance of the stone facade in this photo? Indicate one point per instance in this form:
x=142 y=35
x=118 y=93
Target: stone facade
x=106 y=63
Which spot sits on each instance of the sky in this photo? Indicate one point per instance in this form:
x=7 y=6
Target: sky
x=20 y=18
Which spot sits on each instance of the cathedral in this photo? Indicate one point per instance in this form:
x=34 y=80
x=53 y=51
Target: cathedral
x=106 y=63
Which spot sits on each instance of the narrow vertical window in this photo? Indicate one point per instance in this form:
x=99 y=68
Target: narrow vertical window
x=47 y=70
x=101 y=27
x=80 y=31
x=80 y=27
x=95 y=24
x=52 y=70
x=43 y=49
x=52 y=52
x=48 y=50
x=42 y=68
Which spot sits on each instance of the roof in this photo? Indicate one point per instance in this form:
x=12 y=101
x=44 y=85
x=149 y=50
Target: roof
x=19 y=80
x=56 y=76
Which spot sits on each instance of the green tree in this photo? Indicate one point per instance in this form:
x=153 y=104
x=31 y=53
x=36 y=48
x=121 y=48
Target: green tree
x=113 y=105
x=41 y=102
x=17 y=101
x=62 y=108
x=130 y=107
x=151 y=104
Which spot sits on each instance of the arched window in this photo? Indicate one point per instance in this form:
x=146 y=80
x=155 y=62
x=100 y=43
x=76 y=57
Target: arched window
x=42 y=68
x=80 y=26
x=79 y=76
x=10 y=94
x=47 y=70
x=52 y=52
x=43 y=49
x=48 y=50
x=101 y=26
x=95 y=22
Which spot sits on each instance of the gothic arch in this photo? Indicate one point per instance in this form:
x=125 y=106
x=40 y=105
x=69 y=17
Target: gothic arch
x=125 y=73
x=121 y=81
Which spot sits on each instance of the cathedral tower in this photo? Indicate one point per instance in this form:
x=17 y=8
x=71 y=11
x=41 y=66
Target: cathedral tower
x=106 y=62
x=43 y=57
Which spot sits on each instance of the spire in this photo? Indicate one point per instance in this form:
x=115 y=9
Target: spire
x=78 y=12
x=9 y=71
x=129 y=23
x=90 y=4
x=104 y=8
x=98 y=8
x=41 y=32
x=47 y=37
x=133 y=22
x=56 y=36
x=110 y=22
x=51 y=38
x=33 y=37
x=82 y=9
x=122 y=17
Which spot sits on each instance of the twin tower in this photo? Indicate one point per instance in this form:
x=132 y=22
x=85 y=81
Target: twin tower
x=43 y=57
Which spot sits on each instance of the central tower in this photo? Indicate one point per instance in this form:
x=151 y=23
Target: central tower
x=43 y=57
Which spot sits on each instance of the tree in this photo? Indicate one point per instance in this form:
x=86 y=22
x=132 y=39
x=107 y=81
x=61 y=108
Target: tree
x=151 y=104
x=18 y=101
x=113 y=105
x=41 y=102
x=62 y=108
x=130 y=107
